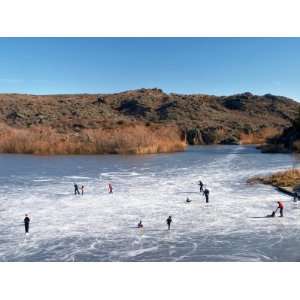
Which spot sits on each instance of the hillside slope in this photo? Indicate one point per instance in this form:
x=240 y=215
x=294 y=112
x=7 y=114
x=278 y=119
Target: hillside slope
x=202 y=119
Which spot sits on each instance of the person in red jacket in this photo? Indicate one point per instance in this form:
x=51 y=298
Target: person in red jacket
x=280 y=207
x=110 y=189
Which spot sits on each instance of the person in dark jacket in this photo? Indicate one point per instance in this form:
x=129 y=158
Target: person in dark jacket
x=76 y=189
x=26 y=223
x=169 y=221
x=206 y=194
x=200 y=186
x=140 y=224
x=296 y=197
x=188 y=200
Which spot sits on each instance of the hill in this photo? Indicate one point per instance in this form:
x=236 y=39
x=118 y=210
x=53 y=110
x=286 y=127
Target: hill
x=156 y=115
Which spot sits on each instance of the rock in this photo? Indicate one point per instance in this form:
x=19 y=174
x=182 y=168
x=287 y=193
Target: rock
x=14 y=115
x=211 y=135
x=230 y=141
x=100 y=100
x=78 y=127
x=194 y=137
x=269 y=148
x=163 y=110
x=133 y=107
x=234 y=104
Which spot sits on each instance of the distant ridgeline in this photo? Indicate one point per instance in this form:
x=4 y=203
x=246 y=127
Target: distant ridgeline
x=138 y=121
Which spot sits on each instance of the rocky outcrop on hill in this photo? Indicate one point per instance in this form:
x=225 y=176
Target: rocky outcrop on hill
x=288 y=141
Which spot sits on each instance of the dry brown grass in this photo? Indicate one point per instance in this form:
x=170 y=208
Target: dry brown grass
x=259 y=137
x=289 y=178
x=135 y=139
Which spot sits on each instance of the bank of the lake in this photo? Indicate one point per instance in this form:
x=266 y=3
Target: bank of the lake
x=286 y=181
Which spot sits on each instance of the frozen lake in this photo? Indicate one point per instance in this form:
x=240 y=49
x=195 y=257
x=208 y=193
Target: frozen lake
x=101 y=227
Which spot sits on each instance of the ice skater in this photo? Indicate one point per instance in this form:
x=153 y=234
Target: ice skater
x=110 y=188
x=188 y=200
x=200 y=186
x=206 y=194
x=169 y=221
x=296 y=197
x=82 y=189
x=76 y=189
x=280 y=207
x=26 y=224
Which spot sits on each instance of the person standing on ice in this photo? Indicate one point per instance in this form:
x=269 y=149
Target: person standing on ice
x=206 y=194
x=140 y=224
x=110 y=188
x=76 y=189
x=26 y=223
x=280 y=207
x=200 y=185
x=82 y=189
x=169 y=221
x=296 y=197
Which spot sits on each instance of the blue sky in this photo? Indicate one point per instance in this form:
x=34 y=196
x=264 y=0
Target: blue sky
x=219 y=66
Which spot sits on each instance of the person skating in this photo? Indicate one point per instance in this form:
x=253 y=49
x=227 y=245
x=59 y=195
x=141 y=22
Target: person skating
x=140 y=224
x=296 y=197
x=206 y=194
x=82 y=189
x=169 y=221
x=26 y=223
x=110 y=188
x=280 y=207
x=76 y=189
x=188 y=200
x=200 y=186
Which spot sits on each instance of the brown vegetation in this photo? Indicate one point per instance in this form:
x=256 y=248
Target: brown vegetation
x=138 y=139
x=289 y=178
x=260 y=136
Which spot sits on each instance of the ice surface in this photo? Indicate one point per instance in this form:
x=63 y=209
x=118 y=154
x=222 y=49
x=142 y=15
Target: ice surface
x=101 y=227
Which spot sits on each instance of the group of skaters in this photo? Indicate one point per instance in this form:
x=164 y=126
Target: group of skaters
x=168 y=221
x=80 y=192
x=139 y=225
x=204 y=191
x=76 y=189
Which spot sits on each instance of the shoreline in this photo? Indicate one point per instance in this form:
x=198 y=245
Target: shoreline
x=287 y=182
x=186 y=147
